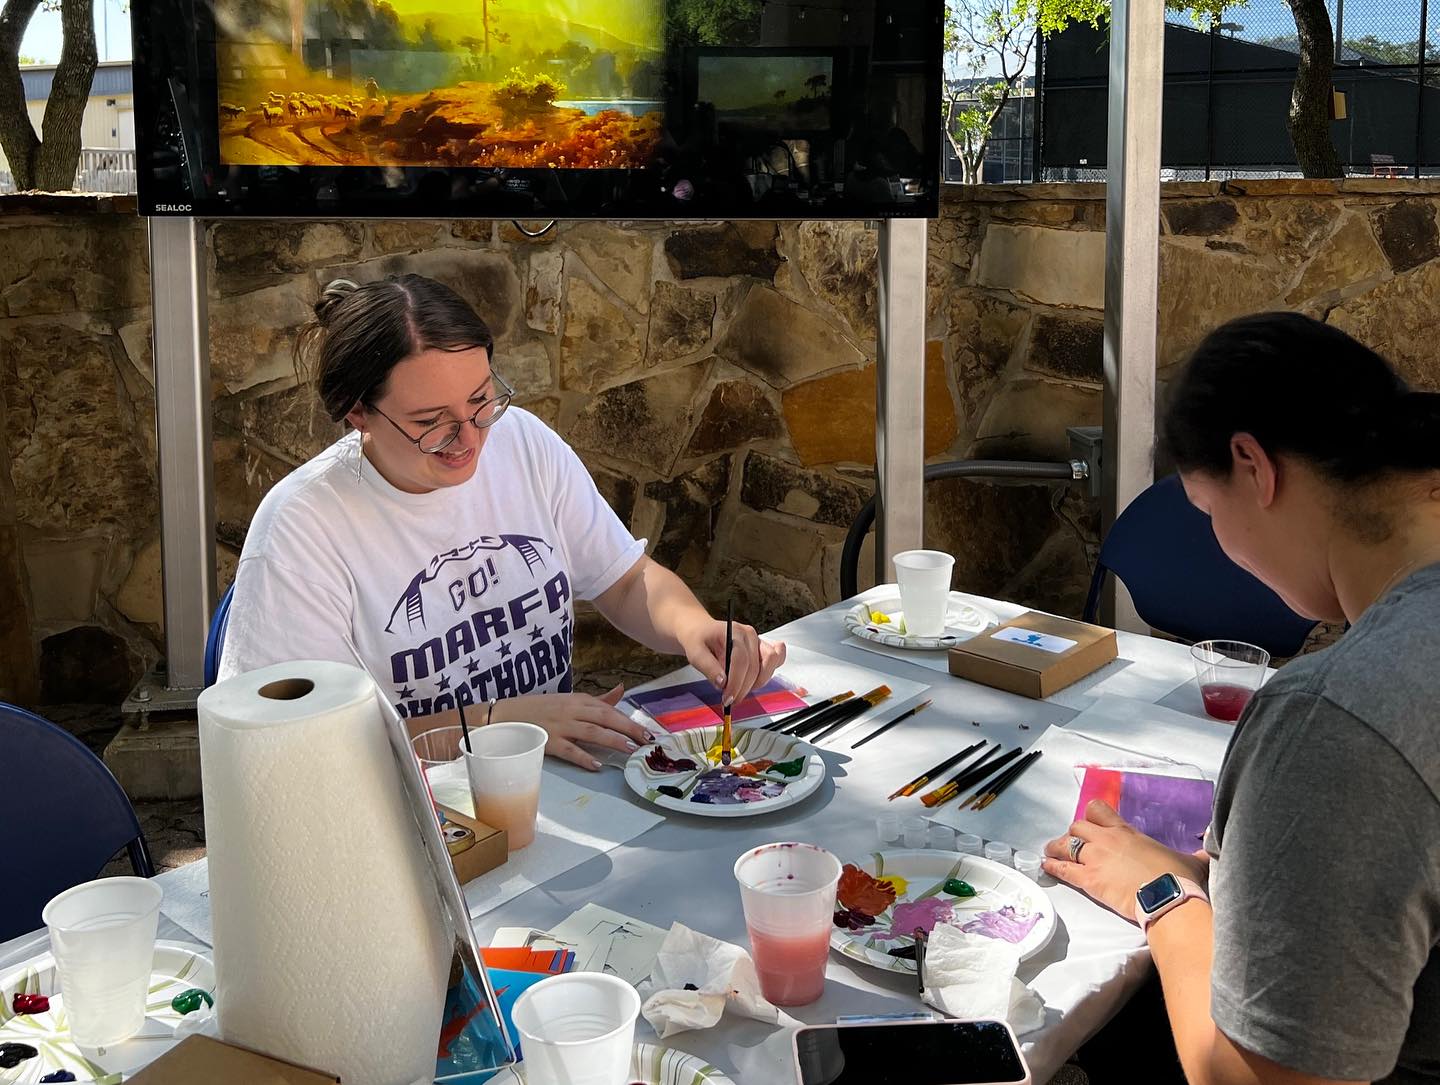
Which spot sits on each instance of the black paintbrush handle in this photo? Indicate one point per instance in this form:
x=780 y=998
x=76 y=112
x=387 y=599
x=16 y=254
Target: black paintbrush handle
x=950 y=762
x=1010 y=777
x=843 y=714
x=886 y=726
x=841 y=723
x=819 y=719
x=801 y=715
x=980 y=772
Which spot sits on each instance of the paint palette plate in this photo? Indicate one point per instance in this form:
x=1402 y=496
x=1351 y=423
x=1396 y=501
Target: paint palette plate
x=650 y=1064
x=963 y=619
x=177 y=967
x=786 y=770
x=1006 y=904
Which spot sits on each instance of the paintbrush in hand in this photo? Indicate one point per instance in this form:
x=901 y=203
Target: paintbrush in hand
x=729 y=651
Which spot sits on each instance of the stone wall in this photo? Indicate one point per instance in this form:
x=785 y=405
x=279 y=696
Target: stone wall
x=718 y=380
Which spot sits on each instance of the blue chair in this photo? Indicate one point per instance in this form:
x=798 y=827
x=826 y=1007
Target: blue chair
x=1163 y=549
x=64 y=814
x=215 y=639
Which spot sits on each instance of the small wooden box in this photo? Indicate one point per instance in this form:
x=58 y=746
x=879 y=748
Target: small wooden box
x=1034 y=655
x=199 y=1058
x=489 y=851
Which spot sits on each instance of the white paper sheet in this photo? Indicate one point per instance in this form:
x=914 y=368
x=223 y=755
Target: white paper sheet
x=187 y=898
x=1040 y=804
x=619 y=944
x=575 y=824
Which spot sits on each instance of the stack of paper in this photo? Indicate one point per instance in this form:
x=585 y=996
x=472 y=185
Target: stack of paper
x=599 y=939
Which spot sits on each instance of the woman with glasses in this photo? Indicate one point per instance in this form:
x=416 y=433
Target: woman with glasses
x=447 y=536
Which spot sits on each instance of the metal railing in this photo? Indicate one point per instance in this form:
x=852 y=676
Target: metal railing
x=100 y=169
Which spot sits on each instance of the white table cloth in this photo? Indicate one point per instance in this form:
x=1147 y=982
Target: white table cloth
x=681 y=870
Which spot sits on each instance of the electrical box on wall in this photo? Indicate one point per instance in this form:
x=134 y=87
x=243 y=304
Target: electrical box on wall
x=1086 y=445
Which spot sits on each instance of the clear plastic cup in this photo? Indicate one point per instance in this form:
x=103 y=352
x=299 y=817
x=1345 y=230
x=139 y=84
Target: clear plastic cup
x=1028 y=863
x=924 y=580
x=102 y=934
x=998 y=851
x=442 y=760
x=504 y=763
x=1229 y=672
x=941 y=837
x=788 y=893
x=913 y=830
x=577 y=1029
x=887 y=828
x=969 y=844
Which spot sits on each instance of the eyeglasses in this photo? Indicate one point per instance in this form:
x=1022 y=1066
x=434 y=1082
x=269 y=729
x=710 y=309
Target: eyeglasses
x=440 y=437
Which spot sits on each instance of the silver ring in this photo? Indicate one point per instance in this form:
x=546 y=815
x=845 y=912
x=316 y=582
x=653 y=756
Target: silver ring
x=1075 y=845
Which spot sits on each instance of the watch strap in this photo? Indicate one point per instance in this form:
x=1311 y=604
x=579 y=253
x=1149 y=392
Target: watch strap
x=1188 y=890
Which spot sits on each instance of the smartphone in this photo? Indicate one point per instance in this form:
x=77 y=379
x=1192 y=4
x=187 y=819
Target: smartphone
x=910 y=1053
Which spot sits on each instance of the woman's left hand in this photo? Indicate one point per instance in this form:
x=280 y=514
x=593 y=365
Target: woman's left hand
x=1116 y=859
x=752 y=661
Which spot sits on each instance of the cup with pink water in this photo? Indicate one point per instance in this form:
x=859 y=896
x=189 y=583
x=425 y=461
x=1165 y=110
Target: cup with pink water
x=505 y=763
x=1229 y=671
x=788 y=892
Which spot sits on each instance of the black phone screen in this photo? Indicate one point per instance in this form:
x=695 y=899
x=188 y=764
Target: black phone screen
x=938 y=1053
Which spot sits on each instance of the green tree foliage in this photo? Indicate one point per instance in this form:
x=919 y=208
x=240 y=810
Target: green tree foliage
x=713 y=22
x=988 y=44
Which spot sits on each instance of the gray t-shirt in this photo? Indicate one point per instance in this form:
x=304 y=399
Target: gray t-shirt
x=1327 y=828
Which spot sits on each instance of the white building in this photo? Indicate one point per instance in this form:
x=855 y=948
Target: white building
x=107 y=131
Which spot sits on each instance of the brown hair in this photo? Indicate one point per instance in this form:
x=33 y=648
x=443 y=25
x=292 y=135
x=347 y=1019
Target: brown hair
x=361 y=332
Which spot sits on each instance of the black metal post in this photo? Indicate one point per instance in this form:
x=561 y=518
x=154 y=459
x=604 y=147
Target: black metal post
x=1210 y=100
x=1035 y=133
x=1339 y=29
x=1420 y=95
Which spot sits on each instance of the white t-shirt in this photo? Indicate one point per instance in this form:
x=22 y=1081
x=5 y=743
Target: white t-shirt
x=464 y=593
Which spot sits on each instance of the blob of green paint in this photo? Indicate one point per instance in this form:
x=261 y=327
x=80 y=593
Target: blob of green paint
x=788 y=768
x=190 y=1001
x=956 y=888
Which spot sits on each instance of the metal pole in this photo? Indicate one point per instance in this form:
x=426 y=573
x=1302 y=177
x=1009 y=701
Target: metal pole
x=1037 y=114
x=1132 y=263
x=900 y=392
x=1420 y=88
x=1210 y=99
x=182 y=424
x=1339 y=29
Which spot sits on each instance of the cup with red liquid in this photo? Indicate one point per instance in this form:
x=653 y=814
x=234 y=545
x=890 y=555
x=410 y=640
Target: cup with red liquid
x=788 y=892
x=505 y=763
x=1229 y=671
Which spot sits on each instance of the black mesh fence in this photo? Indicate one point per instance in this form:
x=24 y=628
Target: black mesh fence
x=1227 y=93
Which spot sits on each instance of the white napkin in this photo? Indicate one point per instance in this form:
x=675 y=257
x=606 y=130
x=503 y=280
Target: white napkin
x=970 y=976
x=723 y=974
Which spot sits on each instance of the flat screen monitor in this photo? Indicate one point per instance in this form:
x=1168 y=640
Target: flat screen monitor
x=539 y=109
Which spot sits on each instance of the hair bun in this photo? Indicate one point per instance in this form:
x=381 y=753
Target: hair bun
x=335 y=292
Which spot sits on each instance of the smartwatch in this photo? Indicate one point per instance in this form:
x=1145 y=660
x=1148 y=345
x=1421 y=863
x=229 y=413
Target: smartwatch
x=1168 y=891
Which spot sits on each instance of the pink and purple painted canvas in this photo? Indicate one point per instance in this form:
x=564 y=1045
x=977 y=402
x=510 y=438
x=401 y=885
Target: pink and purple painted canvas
x=697 y=704
x=1171 y=809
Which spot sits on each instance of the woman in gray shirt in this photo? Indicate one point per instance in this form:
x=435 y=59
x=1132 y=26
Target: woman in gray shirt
x=1316 y=955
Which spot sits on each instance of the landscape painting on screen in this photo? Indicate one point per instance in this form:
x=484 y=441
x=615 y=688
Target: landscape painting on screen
x=565 y=84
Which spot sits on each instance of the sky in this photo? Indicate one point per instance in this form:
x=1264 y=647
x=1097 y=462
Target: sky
x=42 y=36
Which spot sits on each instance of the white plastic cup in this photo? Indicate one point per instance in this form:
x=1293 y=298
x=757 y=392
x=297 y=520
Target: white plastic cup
x=887 y=828
x=914 y=830
x=942 y=837
x=1028 y=863
x=969 y=844
x=788 y=893
x=924 y=579
x=998 y=851
x=443 y=763
x=102 y=935
x=577 y=1029
x=504 y=763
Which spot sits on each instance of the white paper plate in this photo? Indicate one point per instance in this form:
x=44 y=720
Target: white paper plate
x=925 y=872
x=651 y=1064
x=751 y=744
x=963 y=620
x=178 y=967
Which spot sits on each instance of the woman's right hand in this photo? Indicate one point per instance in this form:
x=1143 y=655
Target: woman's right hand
x=571 y=718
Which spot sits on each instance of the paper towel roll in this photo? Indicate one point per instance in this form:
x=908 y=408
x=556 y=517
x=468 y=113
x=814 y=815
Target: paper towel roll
x=330 y=950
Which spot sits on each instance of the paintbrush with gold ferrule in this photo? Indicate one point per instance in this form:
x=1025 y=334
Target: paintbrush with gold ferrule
x=725 y=754
x=847 y=712
x=952 y=787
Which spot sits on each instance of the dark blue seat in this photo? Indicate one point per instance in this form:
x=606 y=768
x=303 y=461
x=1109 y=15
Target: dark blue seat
x=215 y=639
x=64 y=817
x=1164 y=551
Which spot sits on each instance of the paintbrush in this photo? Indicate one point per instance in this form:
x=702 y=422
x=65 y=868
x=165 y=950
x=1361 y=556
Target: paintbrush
x=820 y=719
x=886 y=726
x=464 y=727
x=799 y=717
x=846 y=712
x=921 y=944
x=1003 y=782
x=930 y=773
x=948 y=790
x=729 y=650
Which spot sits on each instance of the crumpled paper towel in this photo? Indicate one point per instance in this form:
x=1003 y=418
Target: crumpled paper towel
x=723 y=974
x=970 y=976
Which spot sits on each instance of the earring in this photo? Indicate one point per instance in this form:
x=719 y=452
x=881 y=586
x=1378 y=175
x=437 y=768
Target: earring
x=359 y=456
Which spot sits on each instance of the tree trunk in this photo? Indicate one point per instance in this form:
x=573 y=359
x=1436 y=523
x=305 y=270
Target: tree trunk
x=1310 y=101
x=59 y=150
x=17 y=135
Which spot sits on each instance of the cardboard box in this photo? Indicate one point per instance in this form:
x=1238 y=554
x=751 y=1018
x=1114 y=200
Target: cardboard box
x=1034 y=655
x=201 y=1059
x=491 y=848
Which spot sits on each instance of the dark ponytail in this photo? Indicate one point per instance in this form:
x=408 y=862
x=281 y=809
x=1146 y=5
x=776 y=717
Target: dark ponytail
x=1300 y=387
x=360 y=333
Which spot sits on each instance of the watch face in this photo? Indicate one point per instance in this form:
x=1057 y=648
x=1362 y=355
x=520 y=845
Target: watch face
x=1159 y=893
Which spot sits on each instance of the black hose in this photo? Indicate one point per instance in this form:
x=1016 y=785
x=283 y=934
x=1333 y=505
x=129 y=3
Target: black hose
x=855 y=538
